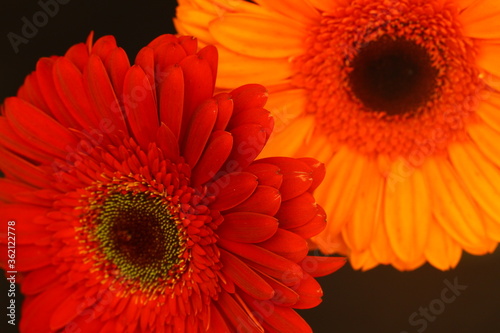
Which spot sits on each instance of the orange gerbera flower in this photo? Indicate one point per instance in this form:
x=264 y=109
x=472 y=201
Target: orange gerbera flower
x=137 y=203
x=399 y=98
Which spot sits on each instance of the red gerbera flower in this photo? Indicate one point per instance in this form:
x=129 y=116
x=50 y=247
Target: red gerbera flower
x=137 y=202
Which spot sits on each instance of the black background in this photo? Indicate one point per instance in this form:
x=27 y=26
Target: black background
x=380 y=300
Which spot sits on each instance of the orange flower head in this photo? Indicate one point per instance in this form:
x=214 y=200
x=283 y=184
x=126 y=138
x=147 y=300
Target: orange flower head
x=139 y=205
x=398 y=98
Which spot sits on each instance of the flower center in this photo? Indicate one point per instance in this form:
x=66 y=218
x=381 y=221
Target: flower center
x=139 y=235
x=393 y=76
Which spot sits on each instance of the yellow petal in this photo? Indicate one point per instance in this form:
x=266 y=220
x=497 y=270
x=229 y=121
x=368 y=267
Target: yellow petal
x=441 y=250
x=409 y=265
x=487 y=140
x=286 y=106
x=339 y=189
x=259 y=36
x=487 y=57
x=238 y=69
x=489 y=110
x=480 y=177
x=288 y=141
x=407 y=216
x=359 y=232
x=186 y=27
x=319 y=147
x=380 y=247
x=299 y=10
x=492 y=227
x=328 y=6
x=453 y=208
x=362 y=260
x=480 y=19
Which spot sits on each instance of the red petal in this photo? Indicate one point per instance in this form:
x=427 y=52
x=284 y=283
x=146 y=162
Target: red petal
x=20 y=169
x=39 y=280
x=69 y=308
x=309 y=291
x=102 y=95
x=297 y=211
x=29 y=257
x=284 y=296
x=321 y=266
x=209 y=53
x=30 y=91
x=140 y=106
x=318 y=171
x=240 y=319
x=297 y=175
x=245 y=277
x=249 y=96
x=104 y=46
x=226 y=105
x=171 y=99
x=313 y=226
x=10 y=188
x=68 y=82
x=287 y=245
x=267 y=174
x=258 y=116
x=117 y=65
x=168 y=55
x=232 y=189
x=25 y=231
x=278 y=318
x=266 y=261
x=167 y=142
x=217 y=322
x=34 y=320
x=163 y=39
x=200 y=129
x=51 y=97
x=37 y=128
x=248 y=141
x=264 y=200
x=146 y=60
x=216 y=153
x=13 y=142
x=247 y=227
x=78 y=54
x=188 y=43
x=198 y=83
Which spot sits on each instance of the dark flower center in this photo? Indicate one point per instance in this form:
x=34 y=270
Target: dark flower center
x=394 y=76
x=139 y=235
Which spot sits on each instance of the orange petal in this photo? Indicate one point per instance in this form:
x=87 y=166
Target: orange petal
x=243 y=33
x=407 y=215
x=441 y=250
x=480 y=19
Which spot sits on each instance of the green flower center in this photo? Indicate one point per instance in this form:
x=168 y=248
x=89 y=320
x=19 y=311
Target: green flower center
x=139 y=234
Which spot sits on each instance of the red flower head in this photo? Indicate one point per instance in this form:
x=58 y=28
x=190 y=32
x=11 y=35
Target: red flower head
x=137 y=203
